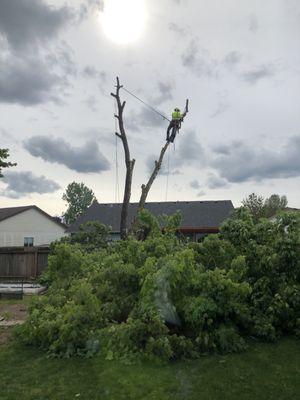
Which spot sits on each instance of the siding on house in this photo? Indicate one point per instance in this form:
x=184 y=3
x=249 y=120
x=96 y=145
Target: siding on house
x=29 y=223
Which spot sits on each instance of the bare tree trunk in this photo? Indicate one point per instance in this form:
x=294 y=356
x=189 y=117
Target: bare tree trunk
x=128 y=162
x=157 y=166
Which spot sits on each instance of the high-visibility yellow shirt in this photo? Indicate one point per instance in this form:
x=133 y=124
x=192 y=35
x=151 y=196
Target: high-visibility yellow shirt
x=176 y=115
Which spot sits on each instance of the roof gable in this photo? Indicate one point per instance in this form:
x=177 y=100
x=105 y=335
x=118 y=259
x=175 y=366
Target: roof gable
x=9 y=212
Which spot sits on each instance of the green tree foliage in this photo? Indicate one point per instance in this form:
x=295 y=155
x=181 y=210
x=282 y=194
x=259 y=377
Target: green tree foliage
x=79 y=197
x=260 y=207
x=255 y=204
x=3 y=163
x=274 y=204
x=161 y=297
x=92 y=236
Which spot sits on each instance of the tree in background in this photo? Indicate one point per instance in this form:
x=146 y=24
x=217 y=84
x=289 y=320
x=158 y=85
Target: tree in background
x=260 y=207
x=255 y=205
x=274 y=204
x=79 y=197
x=4 y=164
x=91 y=236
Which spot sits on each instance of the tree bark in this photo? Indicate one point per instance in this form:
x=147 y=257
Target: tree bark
x=157 y=166
x=129 y=163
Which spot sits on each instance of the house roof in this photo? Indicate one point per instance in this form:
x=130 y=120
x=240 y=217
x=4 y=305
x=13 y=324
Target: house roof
x=291 y=209
x=195 y=214
x=9 y=212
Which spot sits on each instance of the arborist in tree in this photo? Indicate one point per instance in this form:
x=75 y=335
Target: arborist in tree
x=175 y=124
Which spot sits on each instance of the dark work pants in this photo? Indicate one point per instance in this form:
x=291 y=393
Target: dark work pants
x=172 y=124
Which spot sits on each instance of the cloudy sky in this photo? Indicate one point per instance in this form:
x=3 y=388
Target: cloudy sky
x=238 y=61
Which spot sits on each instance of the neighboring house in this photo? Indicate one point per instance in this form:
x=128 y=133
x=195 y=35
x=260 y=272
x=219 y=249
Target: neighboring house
x=198 y=217
x=28 y=226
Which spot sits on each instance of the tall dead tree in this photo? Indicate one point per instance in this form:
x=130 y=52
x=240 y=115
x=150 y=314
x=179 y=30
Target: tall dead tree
x=128 y=161
x=157 y=166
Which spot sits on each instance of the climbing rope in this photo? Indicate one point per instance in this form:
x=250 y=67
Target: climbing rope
x=147 y=105
x=117 y=186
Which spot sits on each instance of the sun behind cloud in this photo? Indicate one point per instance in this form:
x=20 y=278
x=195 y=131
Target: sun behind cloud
x=123 y=21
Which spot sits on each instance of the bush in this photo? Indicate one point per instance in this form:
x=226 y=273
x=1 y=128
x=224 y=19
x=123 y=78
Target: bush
x=163 y=298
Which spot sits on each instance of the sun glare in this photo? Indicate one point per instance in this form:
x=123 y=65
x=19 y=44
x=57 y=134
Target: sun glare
x=123 y=21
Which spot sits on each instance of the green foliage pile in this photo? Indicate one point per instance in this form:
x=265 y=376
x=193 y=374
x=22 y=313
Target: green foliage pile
x=169 y=299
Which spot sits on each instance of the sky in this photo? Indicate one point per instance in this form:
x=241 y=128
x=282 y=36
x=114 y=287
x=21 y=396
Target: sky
x=237 y=61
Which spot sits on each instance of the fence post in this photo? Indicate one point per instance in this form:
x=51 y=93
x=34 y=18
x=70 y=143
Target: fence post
x=36 y=262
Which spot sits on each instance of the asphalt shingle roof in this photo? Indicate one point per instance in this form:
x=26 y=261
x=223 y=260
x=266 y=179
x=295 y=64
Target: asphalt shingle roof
x=195 y=214
x=11 y=211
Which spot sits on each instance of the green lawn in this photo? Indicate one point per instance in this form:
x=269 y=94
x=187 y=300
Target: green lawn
x=265 y=371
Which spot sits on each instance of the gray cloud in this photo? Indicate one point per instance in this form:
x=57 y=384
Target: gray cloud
x=258 y=73
x=223 y=105
x=232 y=59
x=87 y=158
x=199 y=61
x=7 y=138
x=91 y=103
x=166 y=168
x=145 y=118
x=239 y=162
x=165 y=90
x=195 y=184
x=190 y=151
x=23 y=183
x=31 y=73
x=25 y=23
x=201 y=193
x=30 y=80
x=88 y=7
x=148 y=118
x=91 y=72
x=215 y=182
x=181 y=32
x=179 y=1
x=225 y=149
x=253 y=23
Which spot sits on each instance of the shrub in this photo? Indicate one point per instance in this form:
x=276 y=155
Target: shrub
x=163 y=298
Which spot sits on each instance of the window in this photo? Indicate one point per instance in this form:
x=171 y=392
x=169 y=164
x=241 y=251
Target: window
x=28 y=241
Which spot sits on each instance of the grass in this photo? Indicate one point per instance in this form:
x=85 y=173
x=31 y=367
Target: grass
x=25 y=301
x=264 y=371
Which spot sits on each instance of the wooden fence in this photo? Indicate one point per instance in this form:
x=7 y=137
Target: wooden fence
x=23 y=262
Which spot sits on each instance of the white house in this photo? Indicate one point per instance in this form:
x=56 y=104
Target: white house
x=28 y=226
